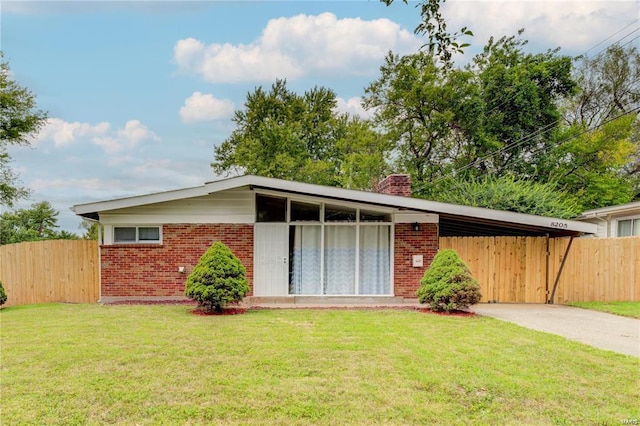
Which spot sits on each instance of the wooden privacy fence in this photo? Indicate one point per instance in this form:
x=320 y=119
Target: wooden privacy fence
x=509 y=269
x=518 y=269
x=50 y=271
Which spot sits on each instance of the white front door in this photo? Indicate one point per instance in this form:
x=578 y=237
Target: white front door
x=271 y=259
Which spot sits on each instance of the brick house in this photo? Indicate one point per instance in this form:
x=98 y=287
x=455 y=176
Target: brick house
x=297 y=241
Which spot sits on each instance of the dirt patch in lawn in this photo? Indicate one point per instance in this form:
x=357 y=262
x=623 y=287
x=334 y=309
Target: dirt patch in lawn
x=447 y=314
x=225 y=311
x=152 y=302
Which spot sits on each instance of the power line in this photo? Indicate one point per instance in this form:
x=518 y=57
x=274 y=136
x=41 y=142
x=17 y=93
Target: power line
x=546 y=128
x=612 y=35
x=507 y=147
x=592 y=129
x=549 y=126
x=619 y=40
x=632 y=40
x=584 y=132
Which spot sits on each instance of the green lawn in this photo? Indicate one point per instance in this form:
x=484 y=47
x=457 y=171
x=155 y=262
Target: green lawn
x=90 y=364
x=626 y=309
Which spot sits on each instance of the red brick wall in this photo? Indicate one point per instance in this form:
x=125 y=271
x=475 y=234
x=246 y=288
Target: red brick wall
x=407 y=243
x=152 y=269
x=395 y=185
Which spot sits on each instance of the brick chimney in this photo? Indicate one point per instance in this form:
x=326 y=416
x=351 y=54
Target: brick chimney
x=395 y=185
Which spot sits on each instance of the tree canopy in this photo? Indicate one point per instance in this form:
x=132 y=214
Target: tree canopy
x=507 y=129
x=489 y=117
x=39 y=222
x=301 y=137
x=19 y=120
x=511 y=194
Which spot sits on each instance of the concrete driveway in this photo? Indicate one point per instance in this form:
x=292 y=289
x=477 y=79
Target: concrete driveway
x=598 y=329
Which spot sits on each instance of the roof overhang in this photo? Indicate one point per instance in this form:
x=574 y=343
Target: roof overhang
x=622 y=209
x=453 y=217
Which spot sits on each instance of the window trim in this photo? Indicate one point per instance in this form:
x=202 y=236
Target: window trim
x=357 y=224
x=616 y=225
x=138 y=241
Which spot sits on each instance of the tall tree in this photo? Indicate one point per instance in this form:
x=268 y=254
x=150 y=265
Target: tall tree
x=590 y=163
x=418 y=104
x=39 y=222
x=504 y=117
x=609 y=84
x=363 y=153
x=441 y=44
x=609 y=90
x=487 y=118
x=299 y=137
x=19 y=120
x=520 y=96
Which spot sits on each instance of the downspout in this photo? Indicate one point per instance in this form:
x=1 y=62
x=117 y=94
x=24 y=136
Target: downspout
x=606 y=219
x=99 y=261
x=564 y=260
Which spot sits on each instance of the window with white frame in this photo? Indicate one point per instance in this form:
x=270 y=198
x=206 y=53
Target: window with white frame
x=333 y=249
x=137 y=234
x=629 y=227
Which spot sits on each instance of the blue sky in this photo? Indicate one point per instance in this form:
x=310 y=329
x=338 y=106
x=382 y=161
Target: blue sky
x=139 y=93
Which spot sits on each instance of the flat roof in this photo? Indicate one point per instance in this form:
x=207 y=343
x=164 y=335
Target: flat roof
x=454 y=219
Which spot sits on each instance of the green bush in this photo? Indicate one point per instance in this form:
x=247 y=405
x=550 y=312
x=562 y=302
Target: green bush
x=217 y=280
x=448 y=284
x=3 y=295
x=510 y=194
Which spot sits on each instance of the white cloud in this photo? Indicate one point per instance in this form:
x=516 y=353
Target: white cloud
x=573 y=25
x=135 y=132
x=73 y=184
x=297 y=46
x=64 y=133
x=205 y=107
x=353 y=106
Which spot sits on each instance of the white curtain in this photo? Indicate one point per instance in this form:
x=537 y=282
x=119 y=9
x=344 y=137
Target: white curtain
x=375 y=277
x=339 y=259
x=305 y=262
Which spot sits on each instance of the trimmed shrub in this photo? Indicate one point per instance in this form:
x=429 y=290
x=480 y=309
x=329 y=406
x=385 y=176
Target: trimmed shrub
x=217 y=280
x=3 y=295
x=448 y=284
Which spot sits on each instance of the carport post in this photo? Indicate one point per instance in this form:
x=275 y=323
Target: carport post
x=564 y=259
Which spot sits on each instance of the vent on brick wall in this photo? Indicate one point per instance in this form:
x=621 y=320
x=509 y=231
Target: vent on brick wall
x=396 y=185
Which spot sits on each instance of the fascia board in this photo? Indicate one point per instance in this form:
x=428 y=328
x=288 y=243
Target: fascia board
x=339 y=193
x=424 y=205
x=139 y=200
x=611 y=210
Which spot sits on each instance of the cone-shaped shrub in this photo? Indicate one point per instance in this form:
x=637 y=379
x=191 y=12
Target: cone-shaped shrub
x=217 y=280
x=3 y=295
x=448 y=284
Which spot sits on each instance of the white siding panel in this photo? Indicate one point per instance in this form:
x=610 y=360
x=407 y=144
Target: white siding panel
x=232 y=206
x=604 y=227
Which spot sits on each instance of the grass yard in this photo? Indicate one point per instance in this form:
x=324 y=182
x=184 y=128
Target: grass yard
x=91 y=364
x=626 y=309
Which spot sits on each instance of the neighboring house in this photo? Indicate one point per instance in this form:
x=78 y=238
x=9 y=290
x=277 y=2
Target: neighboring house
x=615 y=221
x=295 y=239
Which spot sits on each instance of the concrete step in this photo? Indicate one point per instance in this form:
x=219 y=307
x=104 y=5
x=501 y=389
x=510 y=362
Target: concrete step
x=348 y=300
